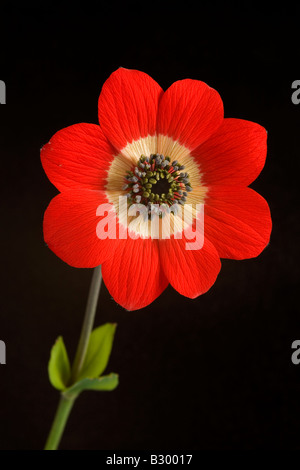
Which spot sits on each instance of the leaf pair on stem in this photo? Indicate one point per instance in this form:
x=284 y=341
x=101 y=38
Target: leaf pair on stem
x=95 y=362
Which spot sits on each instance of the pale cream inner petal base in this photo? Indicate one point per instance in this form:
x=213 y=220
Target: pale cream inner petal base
x=143 y=146
x=128 y=158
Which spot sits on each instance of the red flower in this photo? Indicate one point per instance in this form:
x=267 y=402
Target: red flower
x=156 y=147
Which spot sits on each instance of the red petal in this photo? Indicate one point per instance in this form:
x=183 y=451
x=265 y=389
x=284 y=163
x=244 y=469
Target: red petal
x=77 y=157
x=128 y=106
x=133 y=275
x=190 y=272
x=70 y=224
x=235 y=154
x=189 y=111
x=237 y=221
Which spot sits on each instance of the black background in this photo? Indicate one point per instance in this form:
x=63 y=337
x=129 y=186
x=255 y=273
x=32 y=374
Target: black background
x=210 y=373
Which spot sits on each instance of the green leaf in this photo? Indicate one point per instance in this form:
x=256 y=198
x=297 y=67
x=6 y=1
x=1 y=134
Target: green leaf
x=98 y=352
x=104 y=383
x=59 y=366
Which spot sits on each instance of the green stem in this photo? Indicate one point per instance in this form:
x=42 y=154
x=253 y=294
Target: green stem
x=65 y=404
x=59 y=423
x=88 y=322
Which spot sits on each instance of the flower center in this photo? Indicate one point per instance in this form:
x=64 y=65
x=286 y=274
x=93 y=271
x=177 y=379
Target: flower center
x=157 y=180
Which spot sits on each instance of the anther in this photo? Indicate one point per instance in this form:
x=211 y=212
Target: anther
x=160 y=182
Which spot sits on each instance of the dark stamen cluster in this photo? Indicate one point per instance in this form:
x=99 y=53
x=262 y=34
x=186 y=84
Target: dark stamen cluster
x=157 y=180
